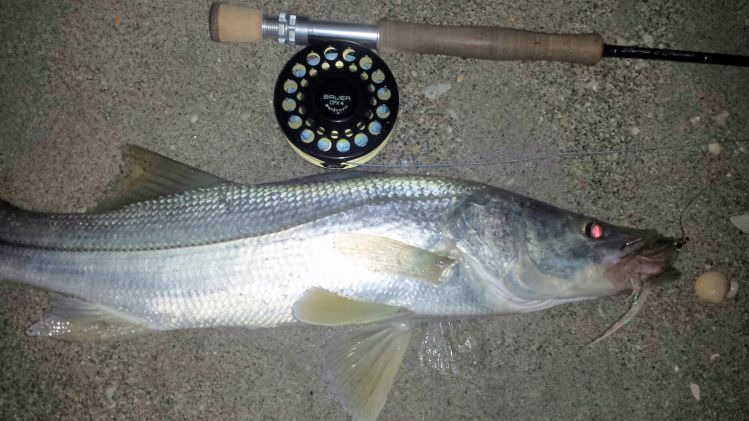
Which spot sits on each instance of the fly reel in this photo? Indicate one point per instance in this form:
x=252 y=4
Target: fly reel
x=336 y=103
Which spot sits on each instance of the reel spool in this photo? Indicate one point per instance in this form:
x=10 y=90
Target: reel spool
x=337 y=103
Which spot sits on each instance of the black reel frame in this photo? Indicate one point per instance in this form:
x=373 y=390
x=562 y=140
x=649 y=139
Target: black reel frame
x=337 y=103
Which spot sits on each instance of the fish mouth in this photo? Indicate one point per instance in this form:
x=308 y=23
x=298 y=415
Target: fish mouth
x=644 y=258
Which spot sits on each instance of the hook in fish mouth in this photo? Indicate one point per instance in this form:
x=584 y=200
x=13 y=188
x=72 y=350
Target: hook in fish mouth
x=643 y=259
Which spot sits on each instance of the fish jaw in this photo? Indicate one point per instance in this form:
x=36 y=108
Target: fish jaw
x=625 y=272
x=651 y=259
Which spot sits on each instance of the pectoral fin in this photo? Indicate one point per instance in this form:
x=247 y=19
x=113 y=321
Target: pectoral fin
x=148 y=175
x=77 y=320
x=321 y=307
x=387 y=255
x=362 y=366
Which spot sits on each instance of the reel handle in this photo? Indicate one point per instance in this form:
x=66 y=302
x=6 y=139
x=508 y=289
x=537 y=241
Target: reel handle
x=490 y=43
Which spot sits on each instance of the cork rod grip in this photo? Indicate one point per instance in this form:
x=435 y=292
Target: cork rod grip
x=231 y=23
x=489 y=43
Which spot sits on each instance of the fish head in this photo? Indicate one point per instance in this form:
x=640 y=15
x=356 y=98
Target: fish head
x=568 y=255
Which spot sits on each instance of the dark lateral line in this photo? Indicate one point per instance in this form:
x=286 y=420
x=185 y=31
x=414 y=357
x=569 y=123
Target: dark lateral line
x=18 y=245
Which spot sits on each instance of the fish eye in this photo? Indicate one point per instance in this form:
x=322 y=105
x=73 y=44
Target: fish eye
x=594 y=231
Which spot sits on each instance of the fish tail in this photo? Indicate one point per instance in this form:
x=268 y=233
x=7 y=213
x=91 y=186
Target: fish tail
x=6 y=207
x=7 y=214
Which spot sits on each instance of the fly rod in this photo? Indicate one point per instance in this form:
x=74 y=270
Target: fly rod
x=233 y=23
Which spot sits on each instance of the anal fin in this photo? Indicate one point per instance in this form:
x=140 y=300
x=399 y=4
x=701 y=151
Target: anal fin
x=76 y=320
x=319 y=306
x=362 y=365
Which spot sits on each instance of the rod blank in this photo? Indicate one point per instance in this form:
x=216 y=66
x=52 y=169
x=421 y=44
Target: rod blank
x=618 y=51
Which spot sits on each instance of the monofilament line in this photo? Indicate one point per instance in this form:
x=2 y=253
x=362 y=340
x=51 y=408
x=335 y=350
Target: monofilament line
x=556 y=155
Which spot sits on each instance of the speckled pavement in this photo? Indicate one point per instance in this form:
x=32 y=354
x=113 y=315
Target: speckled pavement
x=80 y=79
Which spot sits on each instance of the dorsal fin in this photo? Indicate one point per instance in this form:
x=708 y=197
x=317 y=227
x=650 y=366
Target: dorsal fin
x=148 y=175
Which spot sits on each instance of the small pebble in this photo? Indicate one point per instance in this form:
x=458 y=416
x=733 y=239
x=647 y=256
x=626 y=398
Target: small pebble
x=641 y=64
x=695 y=119
x=438 y=89
x=721 y=118
x=733 y=289
x=695 y=388
x=109 y=391
x=714 y=287
x=741 y=222
x=194 y=118
x=593 y=84
x=714 y=148
x=635 y=131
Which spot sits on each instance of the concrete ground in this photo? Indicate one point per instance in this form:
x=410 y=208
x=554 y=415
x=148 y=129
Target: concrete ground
x=80 y=79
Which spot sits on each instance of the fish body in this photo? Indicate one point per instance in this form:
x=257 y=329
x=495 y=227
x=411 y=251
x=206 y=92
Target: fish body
x=376 y=250
x=233 y=255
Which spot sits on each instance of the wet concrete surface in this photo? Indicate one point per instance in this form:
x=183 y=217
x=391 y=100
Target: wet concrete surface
x=81 y=79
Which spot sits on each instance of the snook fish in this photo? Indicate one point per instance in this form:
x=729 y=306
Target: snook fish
x=176 y=248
